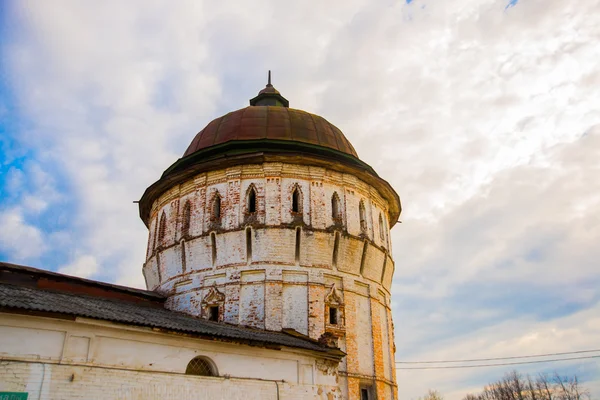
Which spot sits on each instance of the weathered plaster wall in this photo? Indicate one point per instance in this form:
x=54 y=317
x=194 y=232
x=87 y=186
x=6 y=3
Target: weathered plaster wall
x=277 y=275
x=58 y=359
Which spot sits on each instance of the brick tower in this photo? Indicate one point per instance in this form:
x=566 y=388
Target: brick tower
x=270 y=220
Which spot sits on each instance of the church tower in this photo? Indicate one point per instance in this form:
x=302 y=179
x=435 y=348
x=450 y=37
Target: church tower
x=270 y=220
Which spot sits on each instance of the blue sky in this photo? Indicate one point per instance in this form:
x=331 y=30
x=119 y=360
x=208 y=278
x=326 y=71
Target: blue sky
x=481 y=113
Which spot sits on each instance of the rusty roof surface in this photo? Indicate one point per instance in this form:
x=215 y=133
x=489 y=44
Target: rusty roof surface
x=271 y=122
x=17 y=294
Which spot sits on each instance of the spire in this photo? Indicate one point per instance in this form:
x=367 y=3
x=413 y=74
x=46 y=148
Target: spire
x=269 y=96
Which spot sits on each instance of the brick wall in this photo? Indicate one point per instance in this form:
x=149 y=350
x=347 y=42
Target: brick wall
x=272 y=289
x=66 y=382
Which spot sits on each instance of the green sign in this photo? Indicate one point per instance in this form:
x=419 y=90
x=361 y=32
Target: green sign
x=13 y=396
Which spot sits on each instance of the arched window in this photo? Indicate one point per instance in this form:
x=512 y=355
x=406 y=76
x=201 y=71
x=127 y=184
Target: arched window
x=162 y=227
x=216 y=207
x=381 y=228
x=296 y=200
x=251 y=200
x=201 y=366
x=335 y=207
x=363 y=217
x=186 y=218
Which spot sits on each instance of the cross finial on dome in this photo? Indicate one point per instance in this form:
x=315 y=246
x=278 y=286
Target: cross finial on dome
x=269 y=96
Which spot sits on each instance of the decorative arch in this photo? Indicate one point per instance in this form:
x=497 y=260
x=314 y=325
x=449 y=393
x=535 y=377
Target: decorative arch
x=212 y=304
x=362 y=213
x=297 y=199
x=336 y=210
x=186 y=218
x=162 y=227
x=201 y=366
x=216 y=209
x=251 y=202
x=334 y=310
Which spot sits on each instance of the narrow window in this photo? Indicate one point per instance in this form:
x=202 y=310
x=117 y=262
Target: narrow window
x=335 y=207
x=381 y=227
x=333 y=315
x=201 y=366
x=364 y=256
x=297 y=245
x=213 y=243
x=296 y=200
x=213 y=313
x=363 y=217
x=162 y=228
x=249 y=245
x=251 y=200
x=217 y=207
x=187 y=216
x=336 y=246
x=364 y=394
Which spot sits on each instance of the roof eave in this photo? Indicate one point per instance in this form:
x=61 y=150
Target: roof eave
x=260 y=151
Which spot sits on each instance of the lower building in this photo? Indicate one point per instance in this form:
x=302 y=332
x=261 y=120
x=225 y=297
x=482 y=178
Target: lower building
x=63 y=337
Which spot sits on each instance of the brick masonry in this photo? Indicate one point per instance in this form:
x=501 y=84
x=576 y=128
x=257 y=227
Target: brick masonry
x=281 y=278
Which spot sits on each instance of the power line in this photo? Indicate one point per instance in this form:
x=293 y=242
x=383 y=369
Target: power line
x=498 y=358
x=501 y=364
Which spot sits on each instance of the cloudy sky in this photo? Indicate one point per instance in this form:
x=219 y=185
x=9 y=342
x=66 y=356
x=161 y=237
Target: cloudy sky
x=483 y=114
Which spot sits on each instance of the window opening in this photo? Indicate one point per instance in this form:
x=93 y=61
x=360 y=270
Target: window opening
x=213 y=243
x=381 y=227
x=213 y=313
x=334 y=310
x=364 y=394
x=201 y=366
x=296 y=200
x=336 y=246
x=217 y=207
x=251 y=200
x=335 y=206
x=162 y=228
x=333 y=315
x=363 y=218
x=297 y=245
x=187 y=215
x=249 y=245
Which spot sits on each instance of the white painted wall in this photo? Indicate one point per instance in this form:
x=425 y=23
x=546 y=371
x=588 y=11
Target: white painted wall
x=111 y=361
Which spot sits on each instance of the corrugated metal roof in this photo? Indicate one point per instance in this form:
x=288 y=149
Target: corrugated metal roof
x=33 y=299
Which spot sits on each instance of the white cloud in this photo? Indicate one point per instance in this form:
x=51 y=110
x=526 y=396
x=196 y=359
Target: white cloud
x=19 y=239
x=482 y=118
x=83 y=266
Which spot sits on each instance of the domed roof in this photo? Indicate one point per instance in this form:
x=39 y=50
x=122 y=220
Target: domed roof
x=268 y=130
x=260 y=122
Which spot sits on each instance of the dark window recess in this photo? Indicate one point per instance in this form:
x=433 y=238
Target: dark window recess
x=333 y=316
x=162 y=227
x=248 y=245
x=252 y=201
x=297 y=245
x=187 y=216
x=296 y=200
x=213 y=243
x=363 y=217
x=335 y=206
x=213 y=313
x=336 y=246
x=217 y=207
x=364 y=394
